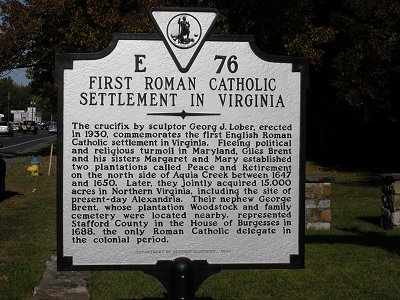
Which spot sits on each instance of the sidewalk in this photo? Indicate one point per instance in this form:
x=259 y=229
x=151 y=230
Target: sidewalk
x=66 y=285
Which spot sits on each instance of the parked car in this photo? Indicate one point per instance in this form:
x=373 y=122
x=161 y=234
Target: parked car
x=6 y=128
x=29 y=126
x=44 y=125
x=17 y=126
x=52 y=128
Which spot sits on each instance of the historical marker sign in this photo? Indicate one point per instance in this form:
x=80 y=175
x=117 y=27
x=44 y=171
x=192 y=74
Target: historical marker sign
x=181 y=144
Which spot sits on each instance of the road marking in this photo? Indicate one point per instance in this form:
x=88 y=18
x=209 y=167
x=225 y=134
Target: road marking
x=31 y=141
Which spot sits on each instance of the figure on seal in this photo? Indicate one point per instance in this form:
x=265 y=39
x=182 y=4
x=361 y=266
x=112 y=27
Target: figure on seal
x=184 y=32
x=184 y=29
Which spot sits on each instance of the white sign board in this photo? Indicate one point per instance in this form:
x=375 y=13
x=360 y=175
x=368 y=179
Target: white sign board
x=181 y=144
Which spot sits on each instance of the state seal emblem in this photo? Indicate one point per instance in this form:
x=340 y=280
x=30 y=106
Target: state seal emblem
x=184 y=31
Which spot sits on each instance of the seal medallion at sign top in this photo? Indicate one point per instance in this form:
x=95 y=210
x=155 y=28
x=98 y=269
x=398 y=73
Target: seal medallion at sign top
x=184 y=31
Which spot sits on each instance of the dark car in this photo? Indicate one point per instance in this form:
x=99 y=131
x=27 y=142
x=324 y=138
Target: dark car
x=29 y=126
x=44 y=125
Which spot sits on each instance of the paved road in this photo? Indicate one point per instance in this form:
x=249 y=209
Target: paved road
x=21 y=145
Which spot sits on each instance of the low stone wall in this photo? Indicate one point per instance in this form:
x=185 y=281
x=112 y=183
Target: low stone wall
x=318 y=204
x=391 y=200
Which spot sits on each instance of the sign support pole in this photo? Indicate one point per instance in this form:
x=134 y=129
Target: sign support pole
x=182 y=277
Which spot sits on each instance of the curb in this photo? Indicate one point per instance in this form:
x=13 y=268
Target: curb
x=66 y=285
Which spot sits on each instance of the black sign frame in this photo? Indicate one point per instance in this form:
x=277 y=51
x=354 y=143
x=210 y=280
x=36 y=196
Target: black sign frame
x=161 y=269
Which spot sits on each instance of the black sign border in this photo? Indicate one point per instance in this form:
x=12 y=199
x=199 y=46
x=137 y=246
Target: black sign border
x=65 y=61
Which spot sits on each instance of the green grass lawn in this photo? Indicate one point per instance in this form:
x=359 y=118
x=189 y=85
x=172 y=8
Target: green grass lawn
x=356 y=259
x=27 y=229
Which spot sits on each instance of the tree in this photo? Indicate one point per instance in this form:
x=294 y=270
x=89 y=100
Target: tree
x=352 y=47
x=367 y=65
x=32 y=31
x=280 y=27
x=12 y=96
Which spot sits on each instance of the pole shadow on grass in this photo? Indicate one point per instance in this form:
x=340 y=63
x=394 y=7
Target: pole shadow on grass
x=8 y=194
x=166 y=298
x=376 y=221
x=389 y=243
x=9 y=155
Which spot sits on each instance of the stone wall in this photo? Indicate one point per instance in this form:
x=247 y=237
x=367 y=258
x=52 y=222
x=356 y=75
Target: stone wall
x=318 y=204
x=391 y=200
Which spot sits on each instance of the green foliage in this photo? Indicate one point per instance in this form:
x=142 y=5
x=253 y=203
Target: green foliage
x=19 y=96
x=367 y=57
x=353 y=106
x=32 y=31
x=352 y=46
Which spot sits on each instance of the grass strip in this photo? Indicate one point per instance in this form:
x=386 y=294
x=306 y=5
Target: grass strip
x=356 y=259
x=27 y=228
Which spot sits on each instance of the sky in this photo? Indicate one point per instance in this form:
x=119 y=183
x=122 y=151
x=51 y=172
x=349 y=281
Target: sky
x=19 y=76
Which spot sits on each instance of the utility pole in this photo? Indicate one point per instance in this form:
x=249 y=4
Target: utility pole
x=8 y=105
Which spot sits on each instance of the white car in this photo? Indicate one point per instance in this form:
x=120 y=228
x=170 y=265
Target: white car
x=17 y=126
x=6 y=128
x=52 y=128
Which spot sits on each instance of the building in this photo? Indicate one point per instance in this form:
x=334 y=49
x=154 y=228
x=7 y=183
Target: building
x=31 y=114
